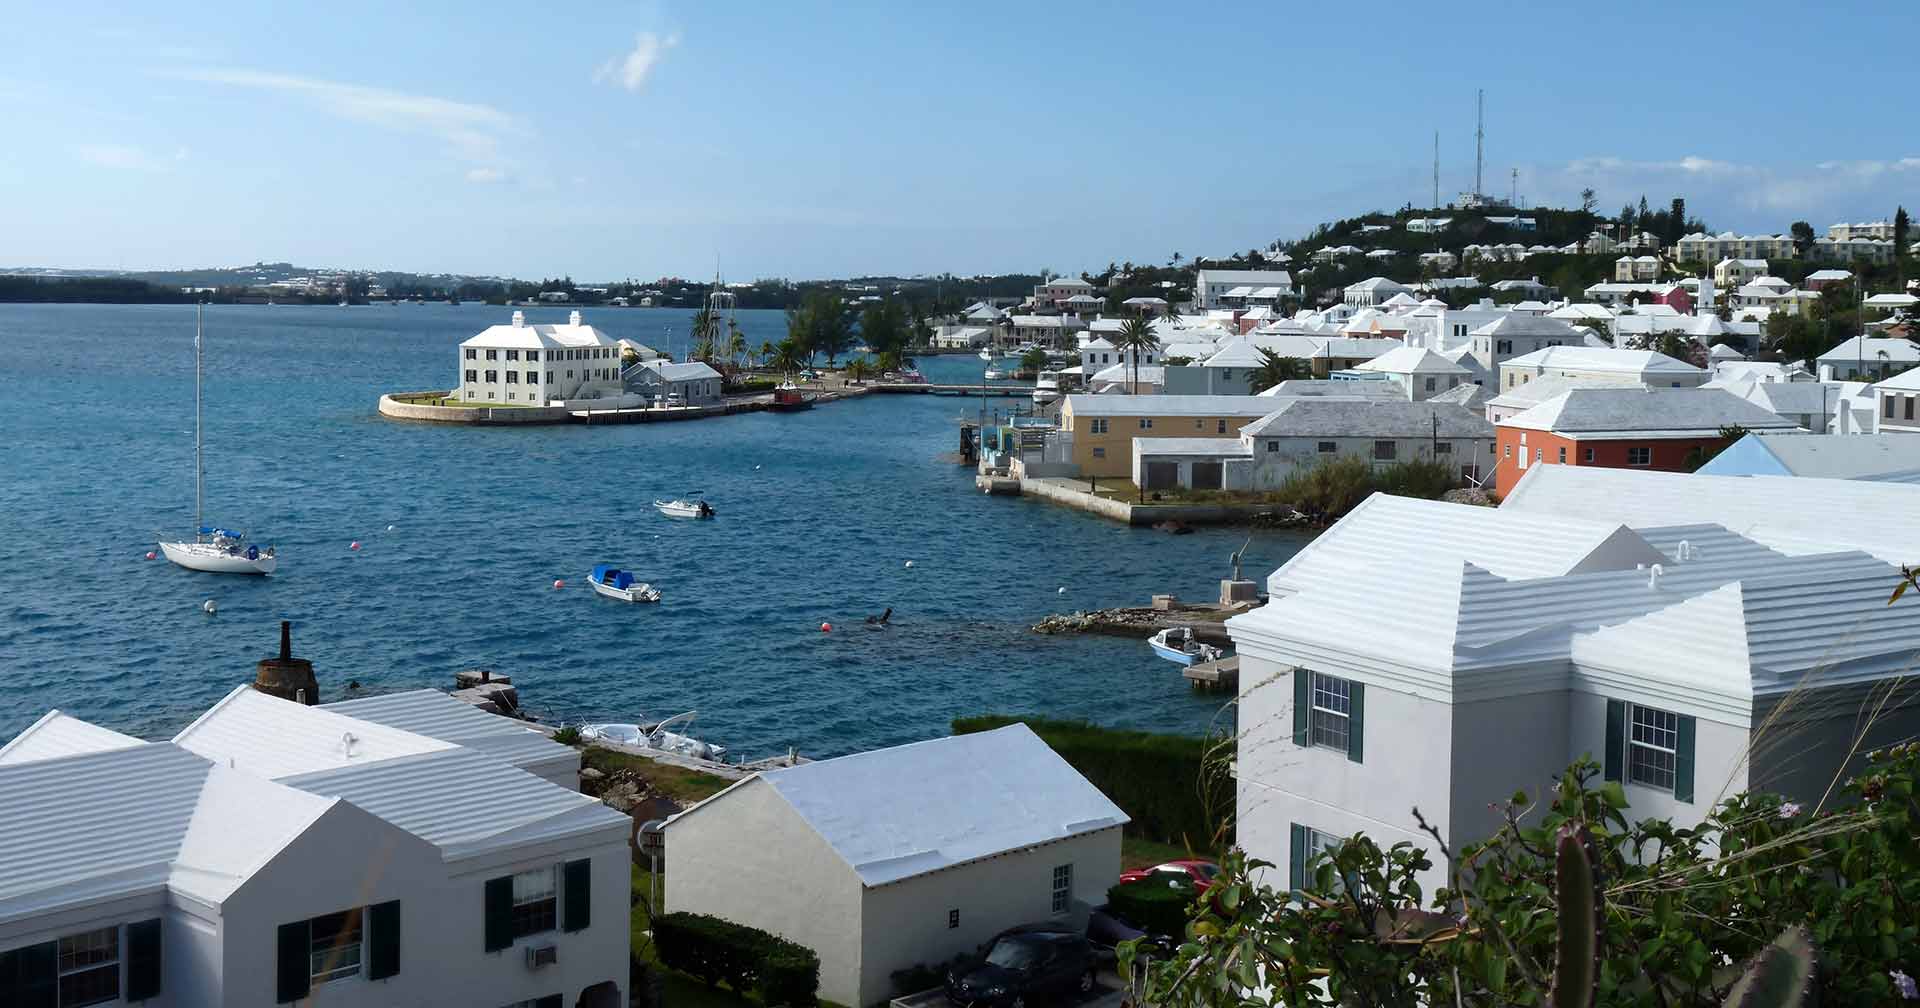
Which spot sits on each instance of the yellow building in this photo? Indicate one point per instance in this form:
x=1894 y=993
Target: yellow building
x=1097 y=431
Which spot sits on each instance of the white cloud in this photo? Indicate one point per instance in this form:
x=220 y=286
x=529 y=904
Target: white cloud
x=632 y=70
x=126 y=156
x=486 y=175
x=1738 y=195
x=471 y=131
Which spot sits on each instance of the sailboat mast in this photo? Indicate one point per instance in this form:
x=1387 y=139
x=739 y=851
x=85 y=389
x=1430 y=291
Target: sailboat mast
x=199 y=469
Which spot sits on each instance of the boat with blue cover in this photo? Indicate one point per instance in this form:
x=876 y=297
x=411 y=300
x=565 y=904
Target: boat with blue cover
x=615 y=583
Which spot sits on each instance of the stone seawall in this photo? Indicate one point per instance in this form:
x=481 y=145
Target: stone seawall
x=416 y=406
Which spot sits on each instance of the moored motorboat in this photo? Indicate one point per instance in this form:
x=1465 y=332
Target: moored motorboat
x=1046 y=388
x=682 y=508
x=993 y=373
x=790 y=397
x=1178 y=645
x=612 y=582
x=657 y=737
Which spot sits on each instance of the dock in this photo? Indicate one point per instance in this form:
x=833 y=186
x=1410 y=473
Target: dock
x=922 y=388
x=1213 y=676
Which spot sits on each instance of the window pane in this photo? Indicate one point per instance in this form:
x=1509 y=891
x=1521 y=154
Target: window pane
x=1650 y=754
x=1331 y=700
x=335 y=950
x=535 y=904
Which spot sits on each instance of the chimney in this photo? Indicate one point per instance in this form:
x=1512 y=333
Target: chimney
x=287 y=677
x=519 y=319
x=573 y=318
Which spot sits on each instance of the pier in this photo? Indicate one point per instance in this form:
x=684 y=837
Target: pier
x=922 y=388
x=1214 y=676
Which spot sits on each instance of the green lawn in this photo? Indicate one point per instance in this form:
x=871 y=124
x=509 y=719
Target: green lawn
x=682 y=785
x=1136 y=852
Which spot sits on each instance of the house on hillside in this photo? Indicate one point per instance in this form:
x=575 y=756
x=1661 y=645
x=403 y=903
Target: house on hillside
x=1577 y=361
x=1638 y=428
x=1442 y=656
x=1420 y=373
x=1868 y=358
x=1211 y=286
x=1373 y=292
x=901 y=857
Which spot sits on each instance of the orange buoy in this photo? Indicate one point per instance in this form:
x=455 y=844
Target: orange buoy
x=557 y=583
x=149 y=554
x=354 y=545
x=826 y=627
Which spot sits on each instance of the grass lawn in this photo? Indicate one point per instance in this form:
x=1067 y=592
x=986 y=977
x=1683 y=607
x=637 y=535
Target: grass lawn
x=1136 y=852
x=682 y=785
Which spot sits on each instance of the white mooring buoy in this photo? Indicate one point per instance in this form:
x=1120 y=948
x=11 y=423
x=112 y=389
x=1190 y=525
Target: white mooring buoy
x=208 y=607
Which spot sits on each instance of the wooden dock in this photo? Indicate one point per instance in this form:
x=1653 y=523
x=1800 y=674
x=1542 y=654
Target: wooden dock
x=1223 y=674
x=922 y=388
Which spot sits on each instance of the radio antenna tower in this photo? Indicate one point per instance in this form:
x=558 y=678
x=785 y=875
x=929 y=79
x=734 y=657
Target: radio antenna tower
x=1479 y=138
x=1436 y=169
x=1513 y=195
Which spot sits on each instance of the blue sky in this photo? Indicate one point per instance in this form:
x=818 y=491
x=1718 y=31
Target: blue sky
x=809 y=140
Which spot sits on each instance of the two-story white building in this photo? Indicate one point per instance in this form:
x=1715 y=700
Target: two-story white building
x=1210 y=286
x=533 y=364
x=276 y=853
x=1441 y=657
x=1643 y=366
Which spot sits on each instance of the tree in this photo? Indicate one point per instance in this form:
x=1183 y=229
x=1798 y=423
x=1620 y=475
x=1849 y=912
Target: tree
x=1134 y=340
x=857 y=370
x=1033 y=360
x=1802 y=237
x=787 y=356
x=1901 y=228
x=1275 y=369
x=831 y=331
x=1588 y=200
x=704 y=344
x=736 y=343
x=1677 y=220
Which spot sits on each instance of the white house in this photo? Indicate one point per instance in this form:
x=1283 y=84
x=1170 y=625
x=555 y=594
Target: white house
x=1047 y=330
x=1441 y=657
x=1894 y=402
x=1868 y=358
x=1514 y=334
x=1211 y=285
x=1420 y=373
x=1643 y=366
x=1372 y=292
x=279 y=853
x=696 y=383
x=893 y=858
x=534 y=364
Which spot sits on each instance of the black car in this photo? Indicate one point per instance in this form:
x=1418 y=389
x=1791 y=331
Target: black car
x=1025 y=965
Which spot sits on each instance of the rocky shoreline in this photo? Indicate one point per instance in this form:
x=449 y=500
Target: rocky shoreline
x=1140 y=621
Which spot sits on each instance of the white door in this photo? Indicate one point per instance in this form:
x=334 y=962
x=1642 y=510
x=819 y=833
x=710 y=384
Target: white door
x=1523 y=456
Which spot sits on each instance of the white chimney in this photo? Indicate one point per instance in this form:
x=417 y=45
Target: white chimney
x=573 y=318
x=519 y=319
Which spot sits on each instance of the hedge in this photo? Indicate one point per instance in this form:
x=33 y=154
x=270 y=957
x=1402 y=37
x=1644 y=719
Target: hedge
x=747 y=958
x=1165 y=783
x=1152 y=906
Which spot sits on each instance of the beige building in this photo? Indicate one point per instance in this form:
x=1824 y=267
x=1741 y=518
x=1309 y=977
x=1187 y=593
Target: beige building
x=885 y=860
x=1097 y=431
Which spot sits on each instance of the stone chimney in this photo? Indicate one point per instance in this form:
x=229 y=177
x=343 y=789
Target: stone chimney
x=287 y=677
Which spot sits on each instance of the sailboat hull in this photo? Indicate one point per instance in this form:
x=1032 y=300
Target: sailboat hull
x=206 y=557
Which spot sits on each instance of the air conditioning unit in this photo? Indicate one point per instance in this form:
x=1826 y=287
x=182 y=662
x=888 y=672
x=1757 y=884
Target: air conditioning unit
x=542 y=955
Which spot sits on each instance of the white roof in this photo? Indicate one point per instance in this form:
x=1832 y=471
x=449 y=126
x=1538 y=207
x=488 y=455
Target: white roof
x=1532 y=393
x=1239 y=292
x=1520 y=324
x=1853 y=457
x=1586 y=358
x=1239 y=353
x=1793 y=514
x=1374 y=284
x=1587 y=412
x=436 y=715
x=1724 y=351
x=1870 y=349
x=1167 y=405
x=1376 y=418
x=1203 y=447
x=1145 y=374
x=1412 y=360
x=1253 y=277
x=1892 y=301
x=1582 y=311
x=688 y=371
x=551 y=336
x=273 y=738
x=897 y=813
x=57 y=734
x=1327 y=388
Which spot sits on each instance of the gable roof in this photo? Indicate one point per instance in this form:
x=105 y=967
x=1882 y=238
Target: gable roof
x=1586 y=358
x=57 y=734
x=271 y=737
x=1523 y=324
x=434 y=714
x=1377 y=418
x=896 y=813
x=539 y=336
x=688 y=371
x=1527 y=395
x=1645 y=412
x=1412 y=360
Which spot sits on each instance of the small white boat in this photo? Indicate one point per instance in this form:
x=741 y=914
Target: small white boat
x=614 y=583
x=1177 y=645
x=1046 y=388
x=679 y=508
x=994 y=374
x=657 y=737
x=986 y=355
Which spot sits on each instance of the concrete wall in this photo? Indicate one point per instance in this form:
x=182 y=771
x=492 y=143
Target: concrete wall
x=1502 y=745
x=746 y=856
x=397 y=405
x=905 y=924
x=1666 y=454
x=1198 y=379
x=1804 y=742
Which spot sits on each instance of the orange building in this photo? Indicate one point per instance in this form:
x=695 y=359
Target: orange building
x=1622 y=428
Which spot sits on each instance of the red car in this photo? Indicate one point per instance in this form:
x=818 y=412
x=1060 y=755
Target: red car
x=1198 y=874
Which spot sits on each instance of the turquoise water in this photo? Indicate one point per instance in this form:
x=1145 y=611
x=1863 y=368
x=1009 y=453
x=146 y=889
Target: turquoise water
x=819 y=512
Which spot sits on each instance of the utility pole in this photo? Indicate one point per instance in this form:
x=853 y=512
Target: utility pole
x=1479 y=137
x=1513 y=194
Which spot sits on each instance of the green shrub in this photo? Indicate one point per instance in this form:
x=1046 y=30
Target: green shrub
x=922 y=976
x=1152 y=906
x=567 y=735
x=747 y=959
x=1333 y=487
x=1164 y=783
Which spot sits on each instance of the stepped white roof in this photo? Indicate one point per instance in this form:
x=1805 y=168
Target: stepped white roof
x=521 y=335
x=1521 y=324
x=1585 y=413
x=1412 y=360
x=1586 y=358
x=687 y=371
x=434 y=714
x=1371 y=418
x=1167 y=405
x=1546 y=387
x=1869 y=349
x=57 y=734
x=1239 y=353
x=897 y=813
x=271 y=737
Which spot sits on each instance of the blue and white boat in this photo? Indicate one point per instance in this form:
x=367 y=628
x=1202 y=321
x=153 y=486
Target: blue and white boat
x=1177 y=645
x=615 y=583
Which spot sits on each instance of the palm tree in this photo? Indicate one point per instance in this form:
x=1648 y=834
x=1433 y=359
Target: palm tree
x=702 y=348
x=1135 y=339
x=1275 y=369
x=857 y=370
x=766 y=351
x=736 y=342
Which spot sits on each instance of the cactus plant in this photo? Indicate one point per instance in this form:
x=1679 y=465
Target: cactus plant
x=1786 y=972
x=1576 y=887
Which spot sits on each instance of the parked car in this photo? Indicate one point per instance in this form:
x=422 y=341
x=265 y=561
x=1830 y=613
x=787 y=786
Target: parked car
x=1198 y=874
x=676 y=399
x=1025 y=964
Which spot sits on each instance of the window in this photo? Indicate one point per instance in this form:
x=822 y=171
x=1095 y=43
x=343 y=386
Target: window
x=513 y=355
x=1100 y=425
x=334 y=945
x=569 y=374
x=1221 y=427
x=89 y=965
x=1443 y=448
x=1586 y=454
x=549 y=377
x=1199 y=424
x=1325 y=447
x=472 y=354
x=1509 y=451
x=473 y=375
x=513 y=377
x=1146 y=423
x=1909 y=407
x=493 y=355
x=1539 y=453
x=1640 y=456
x=1430 y=384
x=1563 y=456
x=510 y=394
x=533 y=355
x=533 y=377
x=1652 y=748
x=953 y=919
x=1306 y=842
x=536 y=902
x=1099 y=453
x=1062 y=888
x=1384 y=451
x=493 y=376
x=1273 y=446
x=1330 y=707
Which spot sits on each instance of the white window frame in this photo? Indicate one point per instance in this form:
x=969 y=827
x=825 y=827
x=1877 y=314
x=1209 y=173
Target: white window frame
x=1331 y=713
x=536 y=885
x=1654 y=751
x=84 y=943
x=1063 y=888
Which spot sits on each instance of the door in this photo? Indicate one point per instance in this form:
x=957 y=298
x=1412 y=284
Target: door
x=1162 y=475
x=1206 y=475
x=1523 y=456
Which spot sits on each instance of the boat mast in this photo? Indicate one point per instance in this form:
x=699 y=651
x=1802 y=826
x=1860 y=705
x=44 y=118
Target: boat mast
x=199 y=470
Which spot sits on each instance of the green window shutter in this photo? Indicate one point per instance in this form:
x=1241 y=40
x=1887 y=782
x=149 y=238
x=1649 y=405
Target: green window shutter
x=296 y=964
x=29 y=977
x=1302 y=705
x=1356 y=719
x=1297 y=858
x=143 y=959
x=1616 y=739
x=1683 y=761
x=499 y=913
x=576 y=898
x=383 y=949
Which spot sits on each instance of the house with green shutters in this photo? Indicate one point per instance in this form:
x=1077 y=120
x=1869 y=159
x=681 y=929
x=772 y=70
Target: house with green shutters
x=280 y=853
x=1436 y=656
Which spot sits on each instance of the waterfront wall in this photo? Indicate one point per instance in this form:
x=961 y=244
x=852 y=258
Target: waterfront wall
x=1061 y=491
x=419 y=406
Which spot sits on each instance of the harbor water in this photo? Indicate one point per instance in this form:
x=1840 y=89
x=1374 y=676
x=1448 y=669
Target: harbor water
x=463 y=530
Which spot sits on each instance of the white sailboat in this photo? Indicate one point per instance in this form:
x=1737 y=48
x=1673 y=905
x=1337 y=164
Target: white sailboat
x=214 y=550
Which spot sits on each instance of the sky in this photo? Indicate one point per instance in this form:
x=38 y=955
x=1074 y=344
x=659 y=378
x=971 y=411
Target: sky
x=808 y=140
